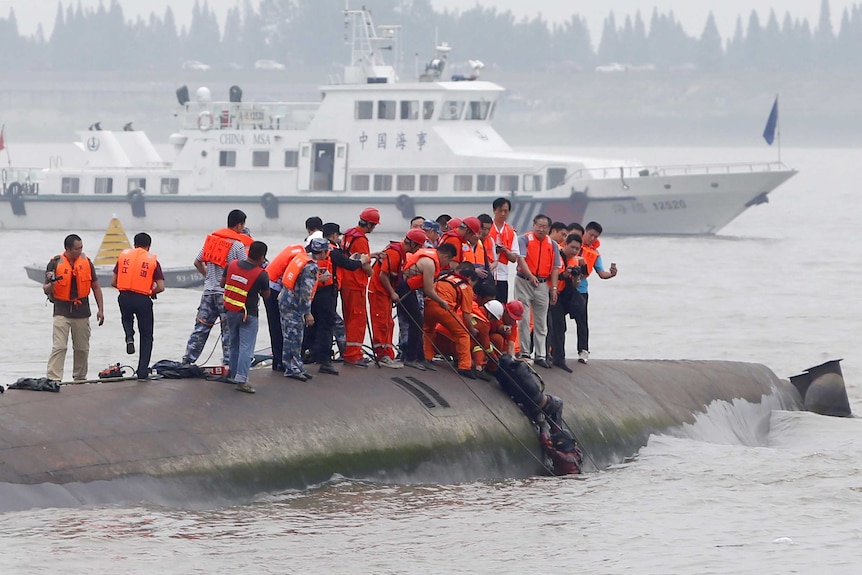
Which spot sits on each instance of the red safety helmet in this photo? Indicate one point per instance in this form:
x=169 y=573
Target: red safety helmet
x=515 y=309
x=473 y=224
x=370 y=215
x=416 y=236
x=454 y=223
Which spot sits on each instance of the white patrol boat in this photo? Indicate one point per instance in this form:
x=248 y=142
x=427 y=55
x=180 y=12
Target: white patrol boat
x=421 y=147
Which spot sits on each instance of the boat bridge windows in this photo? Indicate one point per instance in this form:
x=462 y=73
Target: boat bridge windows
x=169 y=186
x=103 y=185
x=382 y=183
x=410 y=109
x=134 y=184
x=459 y=183
x=227 y=159
x=386 y=109
x=69 y=185
x=452 y=110
x=485 y=183
x=360 y=182
x=532 y=183
x=405 y=183
x=428 y=183
x=509 y=183
x=462 y=183
x=556 y=177
x=291 y=158
x=260 y=159
x=478 y=110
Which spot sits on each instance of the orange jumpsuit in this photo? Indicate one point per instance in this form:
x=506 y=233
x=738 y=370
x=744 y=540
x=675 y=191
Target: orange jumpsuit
x=353 y=285
x=458 y=293
x=380 y=302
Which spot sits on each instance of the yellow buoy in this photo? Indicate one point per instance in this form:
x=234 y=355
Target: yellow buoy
x=114 y=242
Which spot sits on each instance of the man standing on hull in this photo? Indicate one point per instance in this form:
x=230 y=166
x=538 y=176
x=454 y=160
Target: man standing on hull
x=69 y=278
x=138 y=277
x=220 y=248
x=353 y=285
x=593 y=261
x=505 y=243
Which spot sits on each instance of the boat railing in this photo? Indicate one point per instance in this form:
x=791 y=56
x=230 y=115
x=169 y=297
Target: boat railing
x=249 y=115
x=19 y=181
x=606 y=172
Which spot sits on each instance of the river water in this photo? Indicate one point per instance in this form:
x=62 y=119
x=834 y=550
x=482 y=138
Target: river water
x=778 y=286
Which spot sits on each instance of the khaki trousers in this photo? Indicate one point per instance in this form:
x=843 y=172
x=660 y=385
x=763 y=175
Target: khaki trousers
x=536 y=301
x=80 y=329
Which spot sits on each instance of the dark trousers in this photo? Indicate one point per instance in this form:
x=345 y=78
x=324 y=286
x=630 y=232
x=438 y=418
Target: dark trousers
x=276 y=338
x=323 y=310
x=502 y=291
x=408 y=311
x=580 y=318
x=137 y=305
x=557 y=333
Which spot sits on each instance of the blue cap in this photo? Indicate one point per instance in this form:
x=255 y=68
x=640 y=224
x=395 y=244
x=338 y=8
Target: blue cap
x=318 y=245
x=430 y=226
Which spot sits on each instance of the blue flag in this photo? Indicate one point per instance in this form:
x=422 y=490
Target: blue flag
x=771 y=124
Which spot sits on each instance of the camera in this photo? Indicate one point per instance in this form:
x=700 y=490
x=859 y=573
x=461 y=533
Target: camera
x=53 y=278
x=580 y=270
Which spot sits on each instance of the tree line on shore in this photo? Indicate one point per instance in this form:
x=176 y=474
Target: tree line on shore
x=309 y=35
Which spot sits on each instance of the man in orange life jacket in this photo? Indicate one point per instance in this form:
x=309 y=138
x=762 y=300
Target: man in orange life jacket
x=138 y=277
x=504 y=328
x=505 y=246
x=483 y=249
x=382 y=295
x=593 y=260
x=567 y=300
x=220 y=248
x=456 y=290
x=275 y=269
x=69 y=279
x=353 y=285
x=536 y=285
x=463 y=237
x=244 y=282
x=300 y=281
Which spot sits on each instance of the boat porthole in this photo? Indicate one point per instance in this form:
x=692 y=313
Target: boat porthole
x=667 y=186
x=203 y=153
x=714 y=185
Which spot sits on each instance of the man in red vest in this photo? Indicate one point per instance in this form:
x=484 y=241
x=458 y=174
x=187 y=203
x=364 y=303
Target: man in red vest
x=505 y=242
x=353 y=286
x=536 y=285
x=138 y=277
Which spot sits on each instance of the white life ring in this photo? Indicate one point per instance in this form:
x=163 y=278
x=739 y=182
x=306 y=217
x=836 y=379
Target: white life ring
x=205 y=121
x=453 y=111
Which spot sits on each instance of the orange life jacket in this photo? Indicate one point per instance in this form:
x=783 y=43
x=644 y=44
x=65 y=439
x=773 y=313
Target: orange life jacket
x=414 y=277
x=395 y=273
x=217 y=245
x=325 y=265
x=276 y=267
x=483 y=253
x=504 y=238
x=238 y=282
x=67 y=272
x=540 y=255
x=569 y=263
x=294 y=269
x=461 y=247
x=456 y=296
x=356 y=279
x=590 y=253
x=135 y=270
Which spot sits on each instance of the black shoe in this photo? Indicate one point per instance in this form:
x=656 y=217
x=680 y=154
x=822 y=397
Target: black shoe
x=307 y=375
x=296 y=376
x=328 y=368
x=484 y=375
x=542 y=362
x=468 y=373
x=130 y=346
x=429 y=365
x=279 y=368
x=563 y=366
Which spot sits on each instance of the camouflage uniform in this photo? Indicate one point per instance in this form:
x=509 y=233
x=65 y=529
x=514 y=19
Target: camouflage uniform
x=292 y=306
x=210 y=309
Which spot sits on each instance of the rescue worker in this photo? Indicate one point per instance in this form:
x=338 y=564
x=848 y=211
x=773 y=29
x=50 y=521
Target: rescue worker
x=300 y=281
x=567 y=296
x=560 y=447
x=590 y=253
x=463 y=237
x=505 y=242
x=382 y=296
x=456 y=289
x=504 y=328
x=483 y=249
x=323 y=306
x=69 y=279
x=275 y=269
x=353 y=286
x=527 y=390
x=245 y=282
x=536 y=285
x=139 y=278
x=432 y=233
x=480 y=344
x=220 y=248
x=420 y=271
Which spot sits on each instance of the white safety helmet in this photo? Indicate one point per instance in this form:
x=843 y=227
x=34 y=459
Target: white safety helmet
x=495 y=308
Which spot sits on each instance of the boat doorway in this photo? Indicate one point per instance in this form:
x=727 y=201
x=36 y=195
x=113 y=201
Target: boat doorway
x=324 y=166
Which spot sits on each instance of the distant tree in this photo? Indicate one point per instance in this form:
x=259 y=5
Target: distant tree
x=710 y=57
x=571 y=43
x=772 y=45
x=609 y=45
x=824 y=38
x=735 y=51
x=754 y=42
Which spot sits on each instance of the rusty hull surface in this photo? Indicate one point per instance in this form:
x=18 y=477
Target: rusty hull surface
x=375 y=423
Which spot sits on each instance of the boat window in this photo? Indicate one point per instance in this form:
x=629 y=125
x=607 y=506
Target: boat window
x=409 y=109
x=463 y=184
x=260 y=159
x=227 y=159
x=136 y=184
x=291 y=158
x=486 y=183
x=359 y=183
x=382 y=183
x=428 y=183
x=386 y=110
x=478 y=110
x=405 y=183
x=493 y=108
x=364 y=110
x=556 y=177
x=104 y=185
x=170 y=186
x=452 y=110
x=508 y=183
x=427 y=109
x=69 y=185
x=532 y=183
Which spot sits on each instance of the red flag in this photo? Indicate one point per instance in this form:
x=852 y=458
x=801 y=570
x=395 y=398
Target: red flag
x=2 y=143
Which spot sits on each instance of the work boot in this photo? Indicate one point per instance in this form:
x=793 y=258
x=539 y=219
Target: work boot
x=244 y=387
x=327 y=368
x=583 y=356
x=562 y=365
x=420 y=365
x=130 y=346
x=429 y=365
x=468 y=373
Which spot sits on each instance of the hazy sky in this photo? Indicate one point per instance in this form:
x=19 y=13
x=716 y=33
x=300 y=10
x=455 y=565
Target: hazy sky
x=692 y=13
